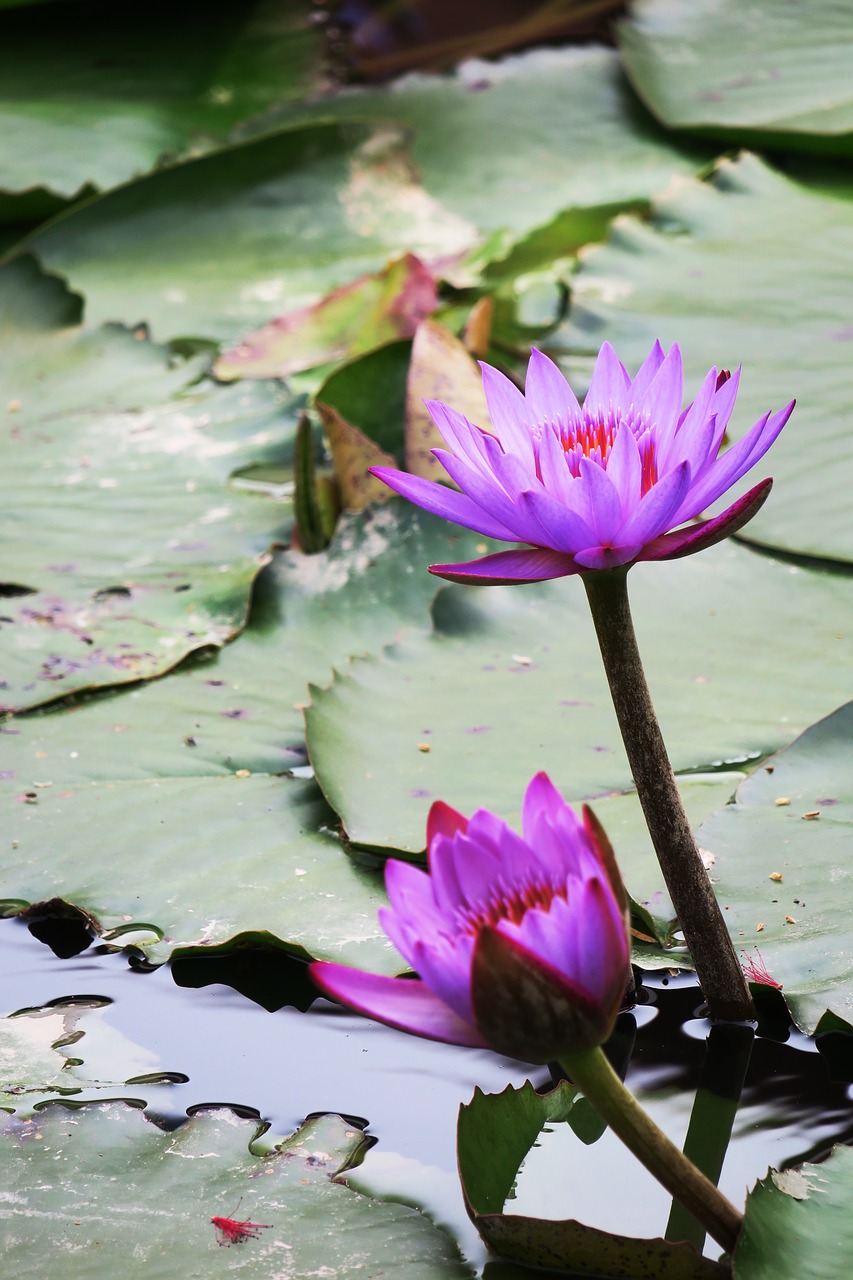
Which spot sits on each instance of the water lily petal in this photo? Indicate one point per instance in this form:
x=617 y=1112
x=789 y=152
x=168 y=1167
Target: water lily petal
x=656 y=508
x=662 y=401
x=625 y=468
x=456 y=430
x=602 y=506
x=736 y=461
x=405 y=1004
x=546 y=390
x=533 y=564
x=610 y=382
x=443 y=820
x=508 y=412
x=646 y=374
x=698 y=537
x=559 y=527
x=444 y=502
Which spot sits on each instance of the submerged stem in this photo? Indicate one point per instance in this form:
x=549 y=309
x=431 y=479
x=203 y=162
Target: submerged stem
x=717 y=968
x=600 y=1084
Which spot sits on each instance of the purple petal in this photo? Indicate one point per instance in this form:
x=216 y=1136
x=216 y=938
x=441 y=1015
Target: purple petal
x=494 y=491
x=610 y=382
x=547 y=391
x=444 y=502
x=442 y=869
x=683 y=542
x=601 y=505
x=409 y=890
x=662 y=401
x=560 y=528
x=625 y=468
x=646 y=373
x=550 y=455
x=654 y=512
x=462 y=436
x=735 y=462
x=508 y=412
x=607 y=557
x=405 y=1004
x=509 y=567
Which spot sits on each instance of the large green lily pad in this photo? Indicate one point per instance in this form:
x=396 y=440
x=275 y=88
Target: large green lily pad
x=117 y=1191
x=40 y=1055
x=741 y=653
x=752 y=71
x=550 y=138
x=495 y=1134
x=97 y=95
x=801 y=922
x=750 y=268
x=150 y=774
x=124 y=548
x=799 y=1222
x=193 y=862
x=234 y=238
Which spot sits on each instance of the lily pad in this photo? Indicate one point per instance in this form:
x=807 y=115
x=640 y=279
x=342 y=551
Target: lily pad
x=94 y=96
x=212 y=858
x=510 y=682
x=798 y=1222
x=696 y=66
x=231 y=239
x=783 y=868
x=114 y=1187
x=125 y=550
x=706 y=273
x=552 y=136
x=495 y=1134
x=356 y=318
x=40 y=1055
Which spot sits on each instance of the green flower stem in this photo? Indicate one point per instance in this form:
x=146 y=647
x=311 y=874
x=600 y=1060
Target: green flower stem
x=593 y=1074
x=715 y=1105
x=711 y=949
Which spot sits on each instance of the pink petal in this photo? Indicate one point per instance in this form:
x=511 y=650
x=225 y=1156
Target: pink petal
x=444 y=820
x=494 y=490
x=735 y=463
x=444 y=502
x=398 y=1002
x=601 y=505
x=535 y=564
x=460 y=434
x=547 y=391
x=625 y=468
x=697 y=537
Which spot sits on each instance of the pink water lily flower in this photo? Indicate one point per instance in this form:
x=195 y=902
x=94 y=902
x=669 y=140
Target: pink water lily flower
x=594 y=487
x=520 y=943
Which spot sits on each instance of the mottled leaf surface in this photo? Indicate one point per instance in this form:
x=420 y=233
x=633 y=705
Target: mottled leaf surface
x=115 y=1187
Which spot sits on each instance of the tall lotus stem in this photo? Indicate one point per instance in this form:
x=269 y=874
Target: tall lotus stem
x=713 y=954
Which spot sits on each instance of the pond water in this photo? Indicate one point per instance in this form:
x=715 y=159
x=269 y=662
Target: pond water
x=274 y=1052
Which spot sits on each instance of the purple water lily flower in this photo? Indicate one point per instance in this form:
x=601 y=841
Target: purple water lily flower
x=594 y=487
x=520 y=943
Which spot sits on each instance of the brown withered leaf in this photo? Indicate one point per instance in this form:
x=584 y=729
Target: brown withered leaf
x=357 y=317
x=441 y=369
x=352 y=453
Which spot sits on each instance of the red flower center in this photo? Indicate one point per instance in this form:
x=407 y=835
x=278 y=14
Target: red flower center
x=594 y=435
x=510 y=902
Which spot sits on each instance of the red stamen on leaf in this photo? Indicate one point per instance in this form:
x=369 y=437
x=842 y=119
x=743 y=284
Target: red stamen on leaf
x=232 y=1231
x=756 y=971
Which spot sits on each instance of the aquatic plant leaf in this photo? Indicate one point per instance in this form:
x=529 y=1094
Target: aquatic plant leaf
x=706 y=273
x=695 y=66
x=494 y=1135
x=798 y=1222
x=125 y=549
x=357 y=317
x=510 y=681
x=234 y=237
x=113 y=1185
x=783 y=872
x=573 y=147
x=95 y=101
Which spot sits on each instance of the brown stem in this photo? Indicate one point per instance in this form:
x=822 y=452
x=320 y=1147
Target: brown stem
x=717 y=968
